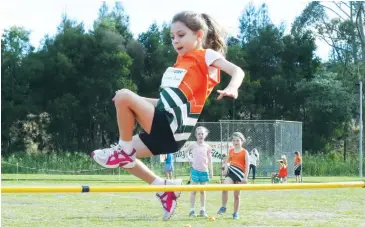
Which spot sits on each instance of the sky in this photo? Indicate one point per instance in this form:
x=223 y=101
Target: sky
x=42 y=17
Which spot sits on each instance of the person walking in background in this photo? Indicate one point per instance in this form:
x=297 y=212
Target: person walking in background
x=254 y=162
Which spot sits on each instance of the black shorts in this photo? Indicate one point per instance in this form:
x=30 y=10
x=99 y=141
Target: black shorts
x=235 y=173
x=297 y=171
x=161 y=139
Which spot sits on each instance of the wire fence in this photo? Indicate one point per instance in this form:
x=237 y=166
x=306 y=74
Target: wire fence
x=271 y=138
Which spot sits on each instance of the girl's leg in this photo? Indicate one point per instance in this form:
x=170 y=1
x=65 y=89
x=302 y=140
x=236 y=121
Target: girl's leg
x=223 y=208
x=192 y=201
x=228 y=180
x=236 y=204
x=203 y=197
x=253 y=174
x=140 y=170
x=131 y=107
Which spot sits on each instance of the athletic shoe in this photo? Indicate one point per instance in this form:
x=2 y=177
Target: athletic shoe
x=168 y=199
x=114 y=157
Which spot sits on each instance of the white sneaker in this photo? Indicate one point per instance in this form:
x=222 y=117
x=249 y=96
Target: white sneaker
x=114 y=157
x=168 y=199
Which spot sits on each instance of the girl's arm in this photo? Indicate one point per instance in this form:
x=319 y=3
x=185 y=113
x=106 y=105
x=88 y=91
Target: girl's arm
x=226 y=162
x=235 y=72
x=191 y=146
x=210 y=161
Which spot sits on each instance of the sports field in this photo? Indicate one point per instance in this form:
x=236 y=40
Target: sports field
x=322 y=207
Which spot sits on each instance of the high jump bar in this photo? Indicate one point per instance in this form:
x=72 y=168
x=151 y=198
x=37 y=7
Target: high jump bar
x=179 y=188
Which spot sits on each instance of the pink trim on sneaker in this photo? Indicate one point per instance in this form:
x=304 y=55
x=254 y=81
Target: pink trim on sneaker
x=167 y=203
x=126 y=159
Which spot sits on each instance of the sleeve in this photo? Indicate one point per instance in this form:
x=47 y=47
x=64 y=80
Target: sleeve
x=211 y=56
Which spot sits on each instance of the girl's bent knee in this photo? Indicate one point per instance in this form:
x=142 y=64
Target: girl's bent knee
x=123 y=97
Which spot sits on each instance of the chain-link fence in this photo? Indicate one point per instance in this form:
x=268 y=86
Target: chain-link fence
x=272 y=138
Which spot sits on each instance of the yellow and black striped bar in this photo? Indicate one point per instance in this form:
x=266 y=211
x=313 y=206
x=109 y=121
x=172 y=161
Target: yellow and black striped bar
x=164 y=188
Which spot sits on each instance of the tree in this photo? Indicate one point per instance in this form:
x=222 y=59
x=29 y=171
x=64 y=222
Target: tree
x=15 y=47
x=327 y=104
x=341 y=26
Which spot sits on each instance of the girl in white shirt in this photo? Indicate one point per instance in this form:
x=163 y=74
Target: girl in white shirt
x=254 y=162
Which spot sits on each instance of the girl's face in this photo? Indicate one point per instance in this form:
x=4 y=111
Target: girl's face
x=237 y=142
x=183 y=39
x=200 y=134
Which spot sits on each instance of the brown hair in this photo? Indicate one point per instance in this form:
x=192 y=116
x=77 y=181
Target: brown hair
x=213 y=33
x=240 y=136
x=297 y=153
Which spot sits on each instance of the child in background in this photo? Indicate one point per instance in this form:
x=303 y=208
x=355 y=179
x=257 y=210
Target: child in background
x=169 y=166
x=237 y=171
x=283 y=170
x=202 y=168
x=254 y=162
x=297 y=166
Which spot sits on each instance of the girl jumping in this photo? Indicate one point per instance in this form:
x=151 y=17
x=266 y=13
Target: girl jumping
x=169 y=120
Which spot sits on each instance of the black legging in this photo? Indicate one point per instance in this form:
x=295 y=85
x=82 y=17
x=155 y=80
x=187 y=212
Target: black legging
x=253 y=167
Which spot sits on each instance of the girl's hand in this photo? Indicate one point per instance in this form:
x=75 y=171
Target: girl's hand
x=229 y=92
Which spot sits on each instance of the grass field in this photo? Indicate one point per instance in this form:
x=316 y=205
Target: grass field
x=323 y=207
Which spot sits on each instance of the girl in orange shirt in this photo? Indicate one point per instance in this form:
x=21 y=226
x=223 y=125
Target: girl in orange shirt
x=169 y=120
x=283 y=170
x=297 y=166
x=236 y=171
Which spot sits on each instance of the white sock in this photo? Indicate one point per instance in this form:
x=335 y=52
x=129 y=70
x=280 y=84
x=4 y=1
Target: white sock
x=202 y=208
x=127 y=146
x=192 y=209
x=158 y=181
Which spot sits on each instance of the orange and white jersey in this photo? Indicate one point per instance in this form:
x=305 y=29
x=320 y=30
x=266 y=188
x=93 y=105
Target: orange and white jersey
x=238 y=159
x=185 y=88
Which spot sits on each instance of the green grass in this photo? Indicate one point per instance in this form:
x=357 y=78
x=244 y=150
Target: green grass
x=332 y=207
x=75 y=163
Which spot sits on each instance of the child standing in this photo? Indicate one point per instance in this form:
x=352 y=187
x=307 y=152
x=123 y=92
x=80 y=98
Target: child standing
x=202 y=168
x=237 y=171
x=254 y=162
x=169 y=166
x=169 y=120
x=297 y=166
